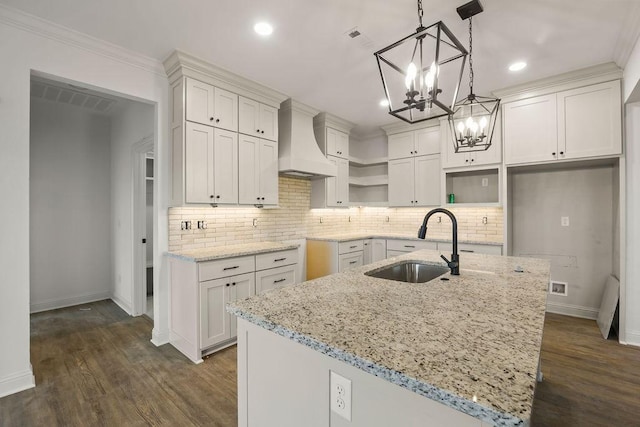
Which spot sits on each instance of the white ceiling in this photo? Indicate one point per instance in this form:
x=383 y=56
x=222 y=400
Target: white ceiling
x=310 y=58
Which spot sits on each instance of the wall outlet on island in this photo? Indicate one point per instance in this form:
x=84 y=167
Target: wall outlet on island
x=340 y=395
x=558 y=288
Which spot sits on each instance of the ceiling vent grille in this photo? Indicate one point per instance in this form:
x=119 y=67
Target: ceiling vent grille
x=73 y=95
x=362 y=39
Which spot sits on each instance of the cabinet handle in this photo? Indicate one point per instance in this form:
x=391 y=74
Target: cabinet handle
x=466 y=250
x=409 y=246
x=231 y=268
x=279 y=280
x=352 y=247
x=353 y=262
x=279 y=259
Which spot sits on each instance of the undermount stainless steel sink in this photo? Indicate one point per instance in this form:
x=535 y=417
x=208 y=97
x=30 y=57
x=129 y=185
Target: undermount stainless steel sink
x=409 y=271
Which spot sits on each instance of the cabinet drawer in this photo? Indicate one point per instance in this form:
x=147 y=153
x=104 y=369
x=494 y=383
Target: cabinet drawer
x=351 y=246
x=275 y=278
x=391 y=254
x=349 y=261
x=446 y=248
x=276 y=259
x=225 y=267
x=410 y=245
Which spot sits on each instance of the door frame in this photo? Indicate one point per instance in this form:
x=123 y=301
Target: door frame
x=139 y=206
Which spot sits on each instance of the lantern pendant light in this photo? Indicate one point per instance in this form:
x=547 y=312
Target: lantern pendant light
x=474 y=117
x=421 y=69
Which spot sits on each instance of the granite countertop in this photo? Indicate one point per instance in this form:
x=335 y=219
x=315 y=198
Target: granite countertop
x=345 y=237
x=208 y=254
x=472 y=342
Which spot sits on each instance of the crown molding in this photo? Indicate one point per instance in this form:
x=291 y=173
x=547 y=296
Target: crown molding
x=181 y=64
x=573 y=79
x=628 y=36
x=52 y=31
x=332 y=121
x=292 y=104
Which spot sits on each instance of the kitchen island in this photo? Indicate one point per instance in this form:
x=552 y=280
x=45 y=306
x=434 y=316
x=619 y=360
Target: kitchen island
x=462 y=351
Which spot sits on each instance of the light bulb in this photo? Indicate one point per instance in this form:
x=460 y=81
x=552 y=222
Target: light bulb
x=460 y=127
x=469 y=122
x=474 y=128
x=409 y=80
x=483 y=124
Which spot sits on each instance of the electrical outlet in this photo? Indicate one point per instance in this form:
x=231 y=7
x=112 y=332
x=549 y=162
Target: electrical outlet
x=485 y=182
x=202 y=225
x=484 y=219
x=387 y=219
x=185 y=225
x=320 y=220
x=564 y=221
x=349 y=218
x=255 y=222
x=439 y=219
x=340 y=395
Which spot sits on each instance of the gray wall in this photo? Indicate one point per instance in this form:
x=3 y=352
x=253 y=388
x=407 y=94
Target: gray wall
x=70 y=205
x=581 y=254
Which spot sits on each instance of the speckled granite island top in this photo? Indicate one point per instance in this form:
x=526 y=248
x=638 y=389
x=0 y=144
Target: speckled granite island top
x=208 y=254
x=344 y=237
x=471 y=343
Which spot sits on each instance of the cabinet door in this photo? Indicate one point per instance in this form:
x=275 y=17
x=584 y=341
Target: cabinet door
x=493 y=154
x=248 y=116
x=401 y=145
x=198 y=163
x=590 y=121
x=449 y=157
x=378 y=249
x=401 y=182
x=225 y=110
x=268 y=172
x=242 y=287
x=349 y=261
x=530 y=130
x=427 y=180
x=200 y=102
x=427 y=141
x=367 y=251
x=248 y=170
x=225 y=167
x=342 y=183
x=268 y=122
x=331 y=185
x=214 y=319
x=337 y=143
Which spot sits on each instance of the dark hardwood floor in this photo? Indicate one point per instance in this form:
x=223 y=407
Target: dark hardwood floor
x=97 y=368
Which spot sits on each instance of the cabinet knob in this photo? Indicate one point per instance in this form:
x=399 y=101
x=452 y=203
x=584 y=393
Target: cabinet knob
x=218 y=196
x=258 y=130
x=415 y=152
x=211 y=196
x=261 y=198
x=561 y=153
x=233 y=284
x=261 y=131
x=472 y=160
x=553 y=154
x=211 y=118
x=227 y=284
x=217 y=120
x=466 y=160
x=257 y=198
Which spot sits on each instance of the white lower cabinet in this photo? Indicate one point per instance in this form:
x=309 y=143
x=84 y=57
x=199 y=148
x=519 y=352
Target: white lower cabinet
x=374 y=250
x=349 y=261
x=200 y=291
x=447 y=248
x=216 y=325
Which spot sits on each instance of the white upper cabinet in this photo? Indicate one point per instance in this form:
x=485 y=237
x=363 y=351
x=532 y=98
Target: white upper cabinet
x=211 y=106
x=337 y=143
x=451 y=159
x=257 y=171
x=590 y=121
x=414 y=143
x=573 y=124
x=257 y=119
x=211 y=159
x=415 y=181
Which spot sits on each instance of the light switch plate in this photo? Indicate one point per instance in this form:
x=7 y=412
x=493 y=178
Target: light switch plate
x=564 y=221
x=340 y=395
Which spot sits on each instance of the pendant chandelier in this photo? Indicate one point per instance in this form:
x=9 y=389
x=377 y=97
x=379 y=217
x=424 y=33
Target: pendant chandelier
x=420 y=70
x=474 y=118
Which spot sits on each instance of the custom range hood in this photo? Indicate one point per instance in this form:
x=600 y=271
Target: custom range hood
x=298 y=152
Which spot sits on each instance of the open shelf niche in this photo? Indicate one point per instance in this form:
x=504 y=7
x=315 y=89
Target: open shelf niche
x=368 y=170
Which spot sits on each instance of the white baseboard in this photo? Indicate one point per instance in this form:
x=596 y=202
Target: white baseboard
x=17 y=382
x=122 y=304
x=633 y=338
x=573 y=310
x=159 y=338
x=53 y=304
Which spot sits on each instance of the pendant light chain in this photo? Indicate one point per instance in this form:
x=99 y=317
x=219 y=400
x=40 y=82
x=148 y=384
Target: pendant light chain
x=470 y=57
x=420 y=12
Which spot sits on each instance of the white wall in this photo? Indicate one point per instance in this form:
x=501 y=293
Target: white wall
x=129 y=125
x=29 y=44
x=69 y=186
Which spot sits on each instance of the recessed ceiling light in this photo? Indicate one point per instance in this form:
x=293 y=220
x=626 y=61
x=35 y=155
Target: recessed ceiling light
x=384 y=103
x=517 y=66
x=263 y=28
